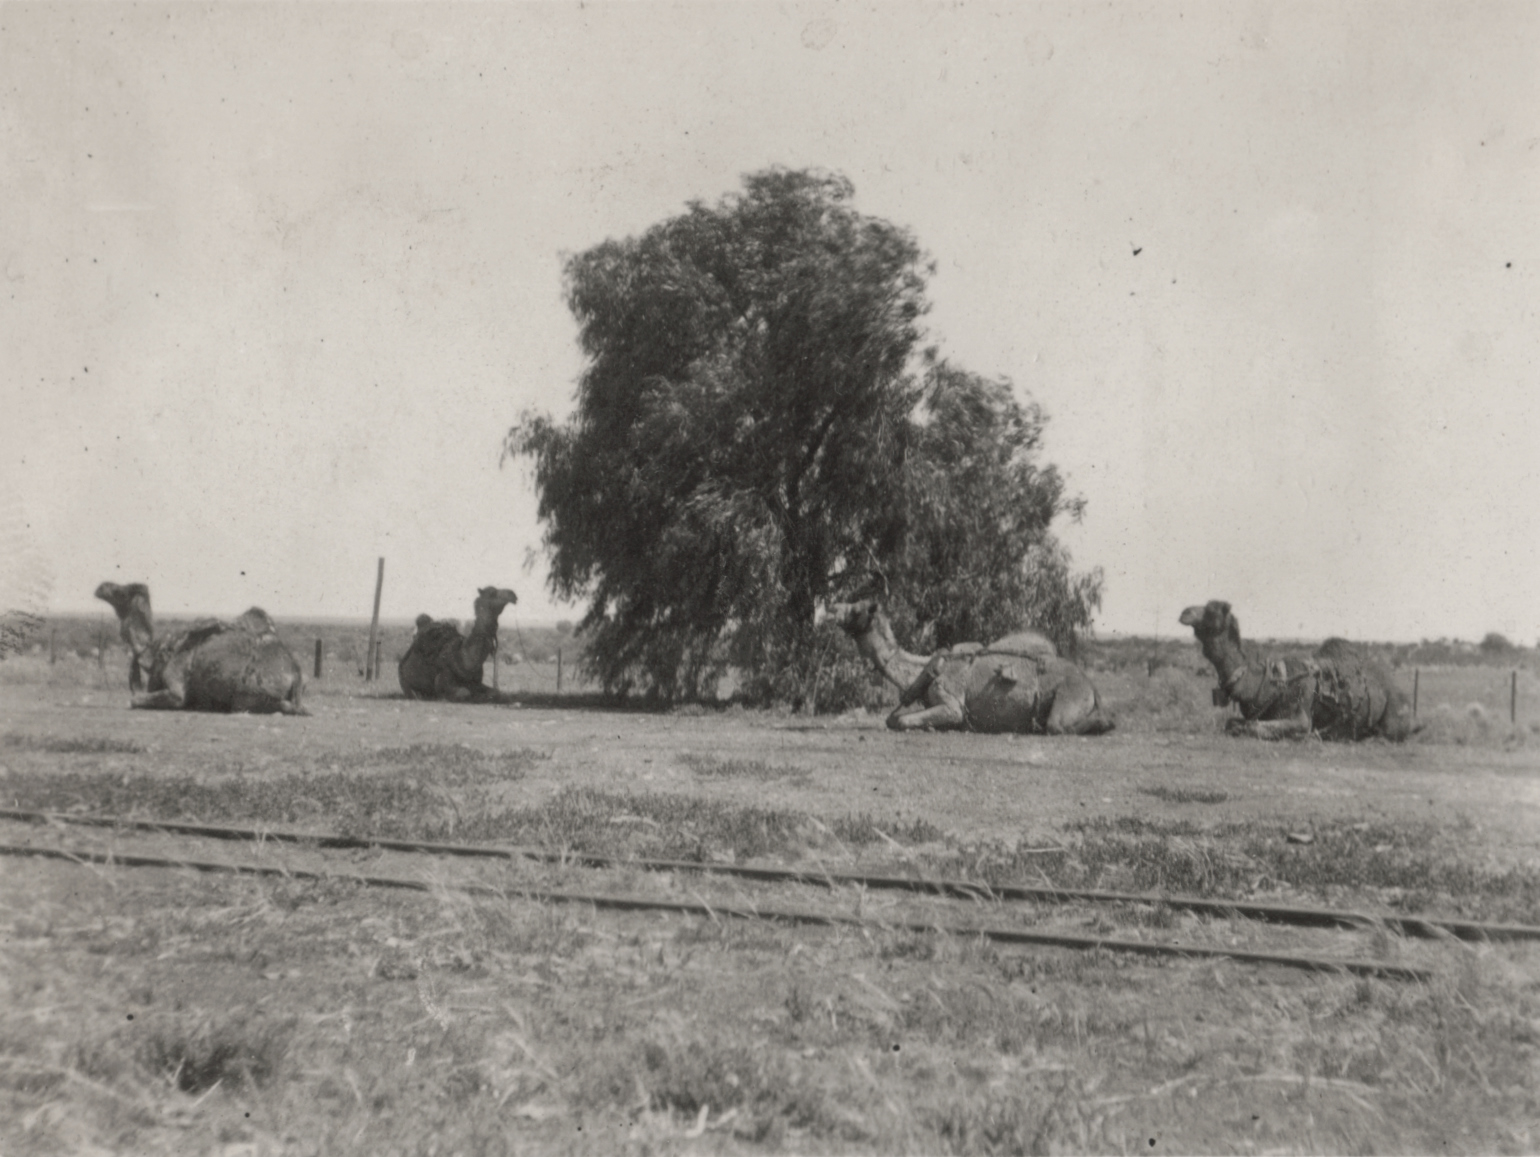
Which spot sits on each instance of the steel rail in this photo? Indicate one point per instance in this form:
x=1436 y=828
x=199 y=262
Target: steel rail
x=740 y=912
x=1296 y=916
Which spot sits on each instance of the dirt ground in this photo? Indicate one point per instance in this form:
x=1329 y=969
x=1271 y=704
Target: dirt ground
x=975 y=787
x=424 y=1024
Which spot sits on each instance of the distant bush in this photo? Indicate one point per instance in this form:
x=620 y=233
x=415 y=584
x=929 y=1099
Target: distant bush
x=1496 y=644
x=1493 y=650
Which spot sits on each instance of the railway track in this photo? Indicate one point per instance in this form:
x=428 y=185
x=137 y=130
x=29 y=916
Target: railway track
x=954 y=889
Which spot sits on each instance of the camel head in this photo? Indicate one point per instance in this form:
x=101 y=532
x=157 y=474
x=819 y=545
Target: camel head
x=1212 y=622
x=257 y=622
x=131 y=603
x=855 y=619
x=867 y=625
x=122 y=596
x=490 y=602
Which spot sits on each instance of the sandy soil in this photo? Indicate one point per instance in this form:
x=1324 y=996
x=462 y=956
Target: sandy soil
x=497 y=1027
x=976 y=787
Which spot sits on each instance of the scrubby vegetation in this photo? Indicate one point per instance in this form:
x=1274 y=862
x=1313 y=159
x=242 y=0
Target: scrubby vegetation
x=171 y=1013
x=152 y=1011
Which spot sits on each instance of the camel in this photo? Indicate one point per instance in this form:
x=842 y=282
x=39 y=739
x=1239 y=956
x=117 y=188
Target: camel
x=1339 y=693
x=211 y=666
x=1017 y=684
x=443 y=664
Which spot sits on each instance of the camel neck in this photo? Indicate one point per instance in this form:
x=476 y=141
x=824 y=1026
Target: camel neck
x=482 y=638
x=138 y=630
x=882 y=651
x=1231 y=666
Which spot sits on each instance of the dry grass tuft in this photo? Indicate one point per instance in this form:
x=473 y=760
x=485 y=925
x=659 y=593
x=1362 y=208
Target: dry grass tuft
x=71 y=671
x=368 y=1022
x=1414 y=866
x=69 y=746
x=195 y=1055
x=1177 y=794
x=427 y=791
x=1474 y=725
x=711 y=767
x=1170 y=701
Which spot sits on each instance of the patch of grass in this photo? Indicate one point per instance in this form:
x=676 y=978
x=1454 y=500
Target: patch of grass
x=1414 y=863
x=71 y=671
x=1413 y=867
x=405 y=793
x=196 y=1056
x=859 y=830
x=655 y=824
x=1171 y=794
x=1037 y=1120
x=671 y=826
x=57 y=746
x=441 y=792
x=709 y=766
x=562 y=1030
x=1474 y=725
x=449 y=764
x=1171 y=700
x=683 y=1074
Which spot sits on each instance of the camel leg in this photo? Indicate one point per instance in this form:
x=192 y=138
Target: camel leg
x=1076 y=715
x=170 y=699
x=158 y=701
x=171 y=695
x=1094 y=722
x=460 y=693
x=1065 y=712
x=1294 y=727
x=945 y=715
x=923 y=682
x=263 y=703
x=450 y=691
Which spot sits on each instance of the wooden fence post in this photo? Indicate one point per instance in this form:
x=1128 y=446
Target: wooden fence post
x=374 y=625
x=558 y=670
x=1513 y=697
x=53 y=646
x=318 y=658
x=495 y=664
x=1416 y=677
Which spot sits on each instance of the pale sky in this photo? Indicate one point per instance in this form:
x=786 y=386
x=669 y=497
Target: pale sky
x=277 y=279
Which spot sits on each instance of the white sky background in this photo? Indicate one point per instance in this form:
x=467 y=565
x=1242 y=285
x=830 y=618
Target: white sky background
x=278 y=279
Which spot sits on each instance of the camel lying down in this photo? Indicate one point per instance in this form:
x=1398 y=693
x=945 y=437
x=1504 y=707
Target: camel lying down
x=443 y=664
x=211 y=666
x=1017 y=684
x=1339 y=693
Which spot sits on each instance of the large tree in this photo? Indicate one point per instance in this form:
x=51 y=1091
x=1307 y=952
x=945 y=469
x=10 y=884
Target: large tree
x=975 y=558
x=746 y=433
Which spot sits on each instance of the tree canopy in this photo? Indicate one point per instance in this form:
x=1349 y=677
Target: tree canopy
x=757 y=421
x=975 y=559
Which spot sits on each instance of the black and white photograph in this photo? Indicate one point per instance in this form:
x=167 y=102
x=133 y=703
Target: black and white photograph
x=732 y=578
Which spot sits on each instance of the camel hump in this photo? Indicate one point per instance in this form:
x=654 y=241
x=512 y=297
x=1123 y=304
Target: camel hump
x=258 y=622
x=1028 y=644
x=434 y=637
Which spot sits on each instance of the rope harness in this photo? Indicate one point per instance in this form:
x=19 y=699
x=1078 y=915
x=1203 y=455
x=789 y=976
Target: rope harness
x=1271 y=690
